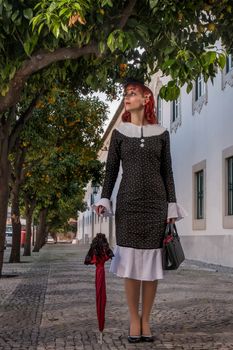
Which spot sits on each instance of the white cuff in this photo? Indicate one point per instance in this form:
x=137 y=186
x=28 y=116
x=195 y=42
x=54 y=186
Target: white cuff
x=176 y=211
x=105 y=202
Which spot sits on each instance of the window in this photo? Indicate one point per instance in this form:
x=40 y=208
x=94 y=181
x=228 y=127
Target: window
x=175 y=114
x=159 y=109
x=175 y=110
x=199 y=95
x=227 y=72
x=227 y=187
x=200 y=87
x=230 y=186
x=199 y=196
x=229 y=63
x=92 y=199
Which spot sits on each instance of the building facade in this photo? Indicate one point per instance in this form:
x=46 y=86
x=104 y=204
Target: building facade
x=200 y=125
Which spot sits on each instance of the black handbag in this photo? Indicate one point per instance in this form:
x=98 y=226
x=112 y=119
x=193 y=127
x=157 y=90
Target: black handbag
x=173 y=254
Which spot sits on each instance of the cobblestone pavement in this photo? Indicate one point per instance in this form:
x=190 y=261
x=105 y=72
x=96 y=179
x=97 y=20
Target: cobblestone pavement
x=50 y=304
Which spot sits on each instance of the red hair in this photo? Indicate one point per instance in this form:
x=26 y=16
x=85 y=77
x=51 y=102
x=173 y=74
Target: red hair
x=149 y=109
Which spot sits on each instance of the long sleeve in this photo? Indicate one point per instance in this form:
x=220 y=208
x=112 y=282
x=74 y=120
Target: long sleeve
x=166 y=169
x=111 y=173
x=112 y=167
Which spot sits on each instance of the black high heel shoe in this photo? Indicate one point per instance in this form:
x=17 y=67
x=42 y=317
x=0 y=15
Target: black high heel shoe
x=147 y=338
x=134 y=338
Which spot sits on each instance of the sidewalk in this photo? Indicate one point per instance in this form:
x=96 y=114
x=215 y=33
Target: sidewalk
x=50 y=305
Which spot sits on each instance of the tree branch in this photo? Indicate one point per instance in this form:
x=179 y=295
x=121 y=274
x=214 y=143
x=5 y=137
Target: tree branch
x=37 y=62
x=127 y=13
x=43 y=59
x=21 y=122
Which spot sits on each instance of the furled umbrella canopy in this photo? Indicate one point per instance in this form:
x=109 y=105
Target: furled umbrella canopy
x=98 y=254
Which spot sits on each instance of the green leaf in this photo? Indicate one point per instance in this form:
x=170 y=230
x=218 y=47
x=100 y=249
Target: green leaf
x=7 y=6
x=63 y=11
x=107 y=2
x=35 y=20
x=40 y=27
x=153 y=3
x=52 y=6
x=189 y=87
x=27 y=47
x=208 y=57
x=64 y=27
x=28 y=13
x=111 y=42
x=15 y=15
x=56 y=30
x=162 y=92
x=169 y=63
x=222 y=60
x=4 y=90
x=170 y=92
x=102 y=47
x=12 y=73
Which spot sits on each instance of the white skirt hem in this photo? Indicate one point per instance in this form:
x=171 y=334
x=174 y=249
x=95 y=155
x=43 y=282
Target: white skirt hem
x=138 y=264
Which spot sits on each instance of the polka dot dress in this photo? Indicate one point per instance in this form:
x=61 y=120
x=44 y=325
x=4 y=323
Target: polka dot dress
x=146 y=186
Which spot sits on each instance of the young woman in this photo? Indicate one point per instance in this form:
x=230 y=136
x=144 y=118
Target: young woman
x=146 y=201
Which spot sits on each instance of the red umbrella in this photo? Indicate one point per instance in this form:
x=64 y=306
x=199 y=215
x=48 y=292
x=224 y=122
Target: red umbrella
x=98 y=254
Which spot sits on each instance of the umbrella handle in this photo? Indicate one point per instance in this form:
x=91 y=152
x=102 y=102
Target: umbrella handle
x=101 y=338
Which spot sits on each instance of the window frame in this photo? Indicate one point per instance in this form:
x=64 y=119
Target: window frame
x=227 y=154
x=159 y=110
x=199 y=223
x=199 y=94
x=229 y=63
x=175 y=109
x=227 y=72
x=229 y=186
x=200 y=87
x=199 y=188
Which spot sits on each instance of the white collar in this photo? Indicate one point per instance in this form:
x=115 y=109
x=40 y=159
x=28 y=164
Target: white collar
x=133 y=130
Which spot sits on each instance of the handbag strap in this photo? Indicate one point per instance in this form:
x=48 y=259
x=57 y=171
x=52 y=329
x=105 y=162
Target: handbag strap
x=171 y=230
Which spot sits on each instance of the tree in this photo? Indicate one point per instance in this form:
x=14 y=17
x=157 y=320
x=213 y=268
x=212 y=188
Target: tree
x=99 y=42
x=105 y=34
x=62 y=142
x=17 y=178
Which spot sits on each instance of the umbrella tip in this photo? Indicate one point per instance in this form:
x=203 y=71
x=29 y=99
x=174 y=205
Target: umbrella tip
x=101 y=338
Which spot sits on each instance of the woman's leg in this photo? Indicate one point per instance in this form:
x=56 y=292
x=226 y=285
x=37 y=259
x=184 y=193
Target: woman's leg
x=148 y=295
x=132 y=289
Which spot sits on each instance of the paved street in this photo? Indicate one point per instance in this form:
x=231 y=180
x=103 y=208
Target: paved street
x=50 y=304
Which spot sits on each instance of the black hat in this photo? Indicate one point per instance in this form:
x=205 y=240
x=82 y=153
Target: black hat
x=129 y=81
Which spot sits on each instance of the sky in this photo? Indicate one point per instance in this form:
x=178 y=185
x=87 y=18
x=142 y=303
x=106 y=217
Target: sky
x=112 y=107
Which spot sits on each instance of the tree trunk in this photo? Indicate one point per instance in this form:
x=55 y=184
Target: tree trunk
x=16 y=225
x=4 y=194
x=43 y=240
x=4 y=188
x=41 y=233
x=16 y=182
x=27 y=245
x=30 y=206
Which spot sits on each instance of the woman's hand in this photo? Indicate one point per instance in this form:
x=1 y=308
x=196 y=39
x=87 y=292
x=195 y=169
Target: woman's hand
x=171 y=220
x=100 y=209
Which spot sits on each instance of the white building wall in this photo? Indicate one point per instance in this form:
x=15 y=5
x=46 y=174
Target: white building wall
x=203 y=136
